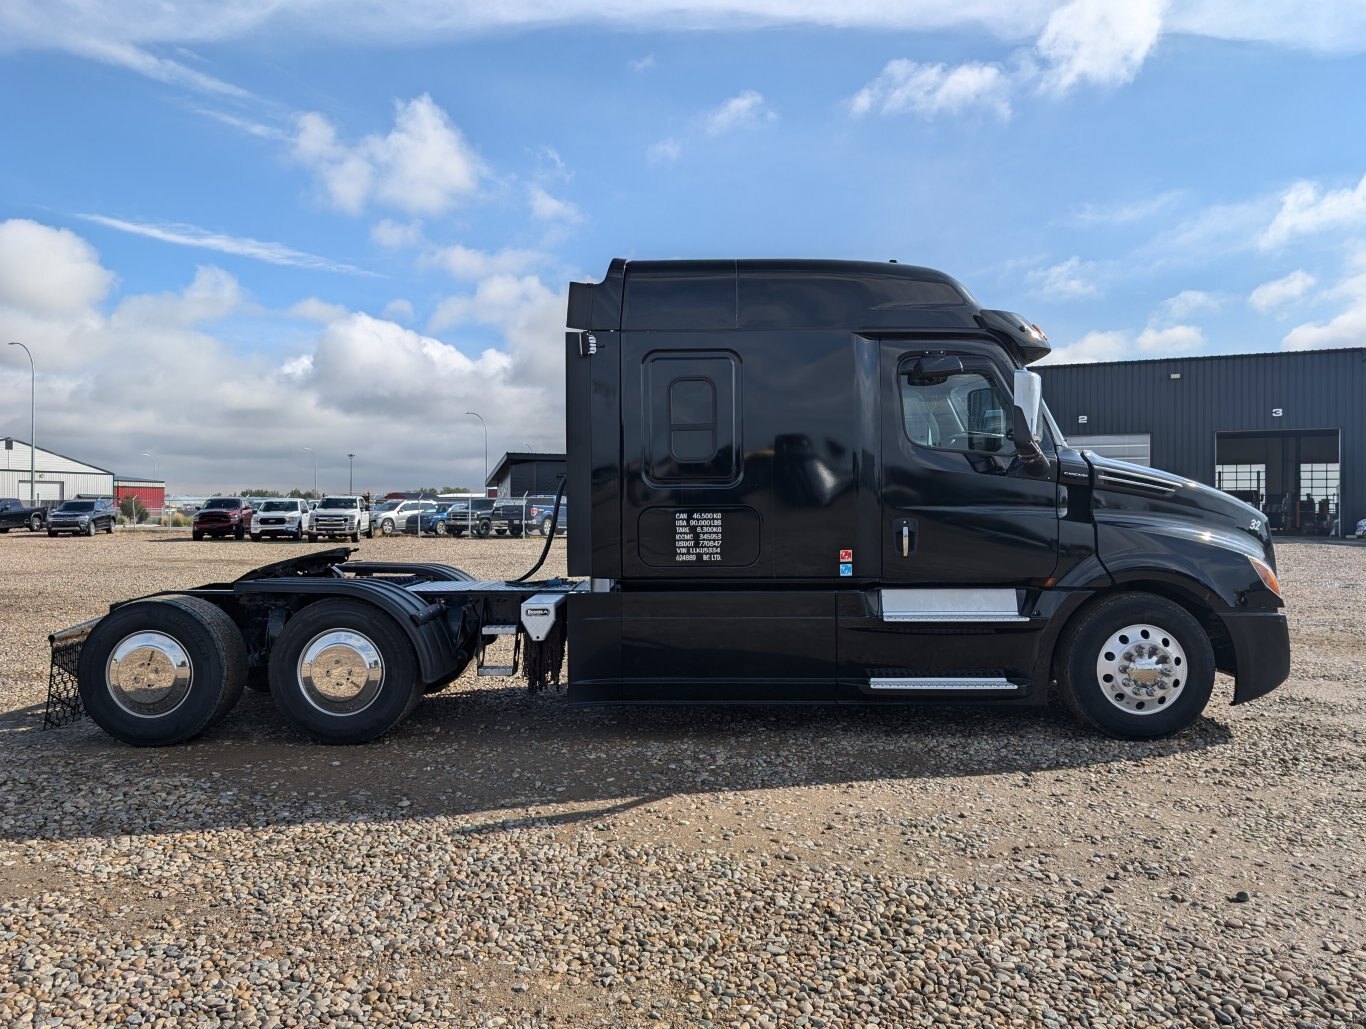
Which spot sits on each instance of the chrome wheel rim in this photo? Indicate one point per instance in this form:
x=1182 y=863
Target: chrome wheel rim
x=149 y=674
x=1141 y=669
x=341 y=672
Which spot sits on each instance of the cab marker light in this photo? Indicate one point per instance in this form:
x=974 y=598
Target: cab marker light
x=1265 y=573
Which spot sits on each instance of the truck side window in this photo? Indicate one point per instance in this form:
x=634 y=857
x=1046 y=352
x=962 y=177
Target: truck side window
x=966 y=411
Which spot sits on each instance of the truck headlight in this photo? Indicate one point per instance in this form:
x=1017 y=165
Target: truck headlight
x=1265 y=573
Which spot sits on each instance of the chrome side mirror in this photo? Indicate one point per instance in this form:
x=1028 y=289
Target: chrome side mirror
x=1028 y=397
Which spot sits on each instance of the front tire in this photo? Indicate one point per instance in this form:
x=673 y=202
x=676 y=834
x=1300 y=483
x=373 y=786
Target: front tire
x=386 y=527
x=256 y=537
x=1136 y=666
x=160 y=671
x=238 y=533
x=342 y=671
x=35 y=523
x=484 y=528
x=313 y=537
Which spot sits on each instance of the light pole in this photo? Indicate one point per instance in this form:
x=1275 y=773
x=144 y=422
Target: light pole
x=32 y=425
x=315 y=472
x=154 y=464
x=476 y=414
x=350 y=470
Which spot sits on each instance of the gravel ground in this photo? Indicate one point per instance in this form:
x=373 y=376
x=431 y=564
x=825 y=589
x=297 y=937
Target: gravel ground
x=505 y=860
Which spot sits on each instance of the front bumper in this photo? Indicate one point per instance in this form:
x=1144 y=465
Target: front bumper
x=1261 y=651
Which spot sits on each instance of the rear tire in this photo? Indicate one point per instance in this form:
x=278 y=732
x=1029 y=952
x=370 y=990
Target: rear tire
x=160 y=671
x=196 y=534
x=1122 y=647
x=546 y=525
x=52 y=533
x=342 y=671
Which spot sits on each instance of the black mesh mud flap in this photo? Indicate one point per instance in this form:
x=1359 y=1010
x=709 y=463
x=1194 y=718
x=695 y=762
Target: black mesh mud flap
x=63 y=689
x=543 y=662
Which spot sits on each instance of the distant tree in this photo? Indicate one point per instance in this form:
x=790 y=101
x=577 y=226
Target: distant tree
x=435 y=490
x=132 y=510
x=304 y=494
x=259 y=493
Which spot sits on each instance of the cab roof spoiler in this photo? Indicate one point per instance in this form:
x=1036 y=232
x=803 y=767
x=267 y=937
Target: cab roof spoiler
x=1021 y=335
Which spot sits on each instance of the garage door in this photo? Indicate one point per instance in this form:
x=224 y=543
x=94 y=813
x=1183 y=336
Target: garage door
x=1136 y=448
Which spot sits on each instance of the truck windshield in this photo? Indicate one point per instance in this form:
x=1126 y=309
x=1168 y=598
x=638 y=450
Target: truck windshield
x=345 y=503
x=78 y=505
x=280 y=505
x=222 y=503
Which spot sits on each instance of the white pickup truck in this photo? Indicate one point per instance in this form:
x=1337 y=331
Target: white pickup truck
x=340 y=516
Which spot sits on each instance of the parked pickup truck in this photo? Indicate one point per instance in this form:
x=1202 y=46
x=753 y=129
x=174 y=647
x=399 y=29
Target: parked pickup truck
x=14 y=513
x=340 y=516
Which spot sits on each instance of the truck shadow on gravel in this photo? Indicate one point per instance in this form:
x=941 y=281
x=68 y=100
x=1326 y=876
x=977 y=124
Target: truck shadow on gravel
x=496 y=758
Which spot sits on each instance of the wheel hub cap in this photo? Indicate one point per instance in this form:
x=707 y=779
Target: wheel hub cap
x=1141 y=669
x=149 y=674
x=341 y=672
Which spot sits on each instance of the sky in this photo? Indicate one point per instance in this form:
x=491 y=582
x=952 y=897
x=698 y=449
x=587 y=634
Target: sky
x=231 y=230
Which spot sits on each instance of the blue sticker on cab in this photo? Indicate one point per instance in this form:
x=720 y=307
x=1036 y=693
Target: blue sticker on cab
x=846 y=568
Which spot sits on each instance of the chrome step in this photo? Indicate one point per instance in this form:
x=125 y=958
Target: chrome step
x=945 y=685
x=499 y=630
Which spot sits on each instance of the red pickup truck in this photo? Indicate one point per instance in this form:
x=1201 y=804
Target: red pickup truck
x=223 y=515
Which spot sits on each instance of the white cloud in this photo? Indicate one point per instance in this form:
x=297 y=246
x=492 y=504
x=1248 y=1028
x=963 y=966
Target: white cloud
x=1185 y=304
x=666 y=151
x=1094 y=346
x=1305 y=210
x=1347 y=329
x=933 y=89
x=1073 y=279
x=153 y=376
x=1098 y=42
x=423 y=166
x=549 y=208
x=1123 y=213
x=48 y=271
x=1281 y=291
x=745 y=110
x=1174 y=339
x=399 y=310
x=315 y=310
x=238 y=246
x=465 y=263
x=642 y=63
x=1118 y=345
x=395 y=235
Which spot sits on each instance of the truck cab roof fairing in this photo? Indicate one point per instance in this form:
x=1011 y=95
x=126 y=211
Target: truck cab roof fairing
x=862 y=296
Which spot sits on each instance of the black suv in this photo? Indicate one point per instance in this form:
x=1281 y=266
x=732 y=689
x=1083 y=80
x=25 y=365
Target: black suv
x=83 y=517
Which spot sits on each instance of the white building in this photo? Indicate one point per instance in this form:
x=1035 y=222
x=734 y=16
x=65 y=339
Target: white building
x=57 y=478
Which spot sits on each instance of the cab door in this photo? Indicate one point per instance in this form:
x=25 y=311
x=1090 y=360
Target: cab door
x=959 y=508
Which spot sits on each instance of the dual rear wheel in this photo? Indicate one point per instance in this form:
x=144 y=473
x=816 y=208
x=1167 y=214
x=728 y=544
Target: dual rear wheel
x=160 y=671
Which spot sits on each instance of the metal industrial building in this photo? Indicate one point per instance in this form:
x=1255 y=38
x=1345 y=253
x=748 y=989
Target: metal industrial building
x=56 y=478
x=1284 y=431
x=523 y=474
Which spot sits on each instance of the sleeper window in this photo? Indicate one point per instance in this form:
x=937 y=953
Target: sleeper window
x=692 y=404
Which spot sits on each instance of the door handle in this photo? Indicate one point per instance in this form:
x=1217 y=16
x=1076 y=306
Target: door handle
x=904 y=535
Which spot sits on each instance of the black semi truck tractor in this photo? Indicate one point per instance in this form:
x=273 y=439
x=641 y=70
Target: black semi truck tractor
x=794 y=482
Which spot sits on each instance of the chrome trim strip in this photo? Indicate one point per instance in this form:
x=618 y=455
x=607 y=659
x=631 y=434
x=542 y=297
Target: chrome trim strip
x=1001 y=685
x=1130 y=480
x=951 y=605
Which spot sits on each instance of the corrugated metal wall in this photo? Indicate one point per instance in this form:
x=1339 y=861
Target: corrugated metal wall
x=1313 y=389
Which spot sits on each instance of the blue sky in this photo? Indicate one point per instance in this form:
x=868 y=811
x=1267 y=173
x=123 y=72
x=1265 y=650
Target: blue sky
x=232 y=230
